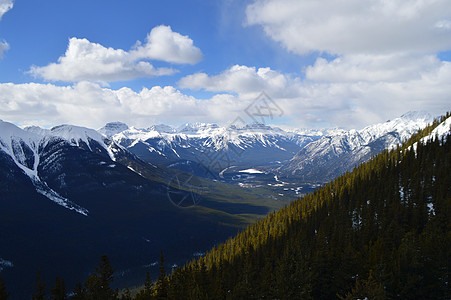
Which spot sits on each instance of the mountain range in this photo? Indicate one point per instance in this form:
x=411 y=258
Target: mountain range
x=307 y=155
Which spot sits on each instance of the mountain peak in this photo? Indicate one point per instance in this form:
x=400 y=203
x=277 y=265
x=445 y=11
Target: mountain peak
x=74 y=134
x=161 y=128
x=113 y=128
x=196 y=127
x=417 y=115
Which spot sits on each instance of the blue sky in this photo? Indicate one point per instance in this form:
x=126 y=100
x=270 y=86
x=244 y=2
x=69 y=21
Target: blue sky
x=334 y=63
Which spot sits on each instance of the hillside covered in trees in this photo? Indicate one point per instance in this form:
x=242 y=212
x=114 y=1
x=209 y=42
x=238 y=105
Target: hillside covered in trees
x=381 y=231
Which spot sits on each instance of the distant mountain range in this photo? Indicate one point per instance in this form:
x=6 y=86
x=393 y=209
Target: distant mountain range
x=332 y=155
x=307 y=155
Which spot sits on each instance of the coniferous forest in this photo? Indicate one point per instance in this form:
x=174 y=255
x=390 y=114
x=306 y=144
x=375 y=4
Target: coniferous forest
x=379 y=232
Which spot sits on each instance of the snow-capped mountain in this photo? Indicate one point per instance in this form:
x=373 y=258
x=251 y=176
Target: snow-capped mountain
x=332 y=155
x=38 y=153
x=210 y=145
x=308 y=154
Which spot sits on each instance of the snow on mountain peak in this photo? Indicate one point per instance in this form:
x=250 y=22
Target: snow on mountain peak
x=403 y=126
x=75 y=134
x=113 y=128
x=417 y=115
x=162 y=128
x=21 y=146
x=189 y=128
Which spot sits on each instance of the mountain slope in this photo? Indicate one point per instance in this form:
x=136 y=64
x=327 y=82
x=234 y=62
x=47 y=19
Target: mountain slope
x=330 y=156
x=381 y=231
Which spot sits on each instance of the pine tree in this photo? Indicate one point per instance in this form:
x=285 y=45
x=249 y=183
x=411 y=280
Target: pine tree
x=59 y=290
x=4 y=294
x=39 y=288
x=147 y=292
x=161 y=287
x=98 y=284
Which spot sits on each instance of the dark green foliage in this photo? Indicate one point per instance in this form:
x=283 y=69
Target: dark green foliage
x=147 y=292
x=79 y=292
x=39 y=292
x=4 y=294
x=381 y=231
x=161 y=286
x=369 y=289
x=58 y=292
x=97 y=285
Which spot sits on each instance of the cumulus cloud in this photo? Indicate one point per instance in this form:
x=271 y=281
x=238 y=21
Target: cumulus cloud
x=85 y=60
x=340 y=92
x=363 y=67
x=383 y=56
x=355 y=26
x=164 y=44
x=242 y=80
x=305 y=103
x=89 y=104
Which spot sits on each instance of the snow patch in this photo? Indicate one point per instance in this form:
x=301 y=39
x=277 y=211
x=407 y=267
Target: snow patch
x=252 y=171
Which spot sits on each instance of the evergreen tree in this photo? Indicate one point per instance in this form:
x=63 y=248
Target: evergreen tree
x=4 y=294
x=161 y=287
x=58 y=292
x=148 y=291
x=98 y=284
x=39 y=288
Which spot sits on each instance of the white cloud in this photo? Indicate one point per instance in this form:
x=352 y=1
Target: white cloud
x=245 y=81
x=384 y=56
x=5 y=5
x=355 y=26
x=443 y=24
x=305 y=103
x=88 y=104
x=350 y=92
x=376 y=68
x=85 y=60
x=164 y=44
x=4 y=46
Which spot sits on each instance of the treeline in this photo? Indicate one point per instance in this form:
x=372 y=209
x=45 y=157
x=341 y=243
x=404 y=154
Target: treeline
x=381 y=231
x=98 y=286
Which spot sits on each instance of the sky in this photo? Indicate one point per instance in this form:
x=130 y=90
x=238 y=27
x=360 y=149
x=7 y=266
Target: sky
x=330 y=63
